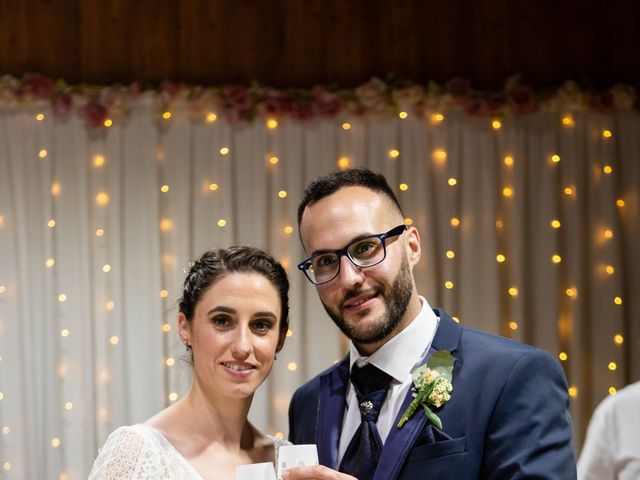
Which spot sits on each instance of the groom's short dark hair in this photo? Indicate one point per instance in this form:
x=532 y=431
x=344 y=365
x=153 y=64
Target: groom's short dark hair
x=326 y=185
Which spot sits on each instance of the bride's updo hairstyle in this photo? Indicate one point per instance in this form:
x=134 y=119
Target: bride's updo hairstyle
x=215 y=264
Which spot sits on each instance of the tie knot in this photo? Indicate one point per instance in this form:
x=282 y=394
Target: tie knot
x=369 y=379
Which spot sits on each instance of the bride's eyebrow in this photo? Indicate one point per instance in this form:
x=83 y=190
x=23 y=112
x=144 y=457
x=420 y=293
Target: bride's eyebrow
x=221 y=308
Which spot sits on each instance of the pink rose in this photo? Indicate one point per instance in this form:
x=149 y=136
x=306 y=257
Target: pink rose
x=37 y=87
x=62 y=105
x=326 y=103
x=373 y=95
x=602 y=101
x=459 y=88
x=520 y=98
x=95 y=114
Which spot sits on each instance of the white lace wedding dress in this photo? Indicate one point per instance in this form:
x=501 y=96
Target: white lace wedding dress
x=140 y=452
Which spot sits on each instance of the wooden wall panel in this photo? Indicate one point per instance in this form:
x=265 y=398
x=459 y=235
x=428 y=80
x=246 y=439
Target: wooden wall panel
x=304 y=42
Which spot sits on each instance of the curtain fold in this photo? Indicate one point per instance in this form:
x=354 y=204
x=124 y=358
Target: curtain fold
x=529 y=229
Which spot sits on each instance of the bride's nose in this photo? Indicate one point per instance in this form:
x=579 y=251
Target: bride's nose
x=241 y=343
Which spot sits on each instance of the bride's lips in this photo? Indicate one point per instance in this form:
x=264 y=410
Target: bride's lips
x=359 y=302
x=239 y=369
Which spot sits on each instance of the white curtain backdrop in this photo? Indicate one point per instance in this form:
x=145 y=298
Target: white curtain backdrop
x=96 y=226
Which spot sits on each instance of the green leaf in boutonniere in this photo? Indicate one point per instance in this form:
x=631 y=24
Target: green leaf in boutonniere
x=432 y=386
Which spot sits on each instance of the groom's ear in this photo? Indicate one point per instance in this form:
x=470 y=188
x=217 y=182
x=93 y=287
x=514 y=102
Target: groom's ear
x=413 y=246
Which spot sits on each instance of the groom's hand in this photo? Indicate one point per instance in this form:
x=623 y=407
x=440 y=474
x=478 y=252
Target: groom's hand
x=316 y=472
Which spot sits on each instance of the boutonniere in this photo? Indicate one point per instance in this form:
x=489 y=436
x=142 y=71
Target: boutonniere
x=432 y=387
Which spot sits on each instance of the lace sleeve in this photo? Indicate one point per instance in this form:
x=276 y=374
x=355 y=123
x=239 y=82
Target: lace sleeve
x=129 y=454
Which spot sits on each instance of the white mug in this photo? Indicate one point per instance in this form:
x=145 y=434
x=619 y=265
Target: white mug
x=256 y=471
x=296 y=456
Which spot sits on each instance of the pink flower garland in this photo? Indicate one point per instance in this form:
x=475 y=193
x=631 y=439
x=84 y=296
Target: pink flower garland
x=241 y=103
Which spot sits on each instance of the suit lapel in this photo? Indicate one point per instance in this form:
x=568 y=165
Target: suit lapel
x=333 y=389
x=400 y=440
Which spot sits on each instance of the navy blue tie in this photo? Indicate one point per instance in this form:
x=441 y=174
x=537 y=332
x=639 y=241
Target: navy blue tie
x=363 y=453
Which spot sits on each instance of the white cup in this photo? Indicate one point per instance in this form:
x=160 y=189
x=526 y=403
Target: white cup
x=296 y=456
x=256 y=471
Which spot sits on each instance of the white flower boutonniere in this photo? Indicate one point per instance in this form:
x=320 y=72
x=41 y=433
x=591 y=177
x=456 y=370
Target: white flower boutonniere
x=432 y=387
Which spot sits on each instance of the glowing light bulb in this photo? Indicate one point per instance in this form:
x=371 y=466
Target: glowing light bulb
x=292 y=366
x=393 y=153
x=166 y=224
x=102 y=199
x=289 y=333
x=403 y=115
x=288 y=229
x=99 y=232
x=608 y=233
x=450 y=254
x=173 y=396
x=555 y=158
x=164 y=188
x=166 y=328
x=408 y=221
x=567 y=121
x=50 y=262
x=555 y=223
x=222 y=222
x=496 y=124
x=68 y=405
x=282 y=194
x=51 y=223
x=612 y=366
x=607 y=134
x=513 y=291
x=573 y=391
x=273 y=160
x=343 y=163
x=110 y=305
x=437 y=118
x=620 y=202
x=62 y=298
x=40 y=117
x=272 y=123
x=500 y=258
x=563 y=356
x=607 y=169
x=448 y=285
x=114 y=340
x=166 y=115
x=170 y=362
x=612 y=390
x=403 y=187
x=214 y=186
x=106 y=268
x=346 y=126
x=55 y=189
x=513 y=325
x=211 y=117
x=568 y=191
x=455 y=221
x=64 y=332
x=618 y=339
x=98 y=160
x=556 y=258
x=507 y=191
x=439 y=155
x=108 y=122
x=42 y=153
x=508 y=160
x=452 y=181
x=571 y=292
x=617 y=300
x=224 y=150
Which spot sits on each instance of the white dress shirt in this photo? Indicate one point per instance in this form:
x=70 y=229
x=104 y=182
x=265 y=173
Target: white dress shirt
x=612 y=448
x=398 y=357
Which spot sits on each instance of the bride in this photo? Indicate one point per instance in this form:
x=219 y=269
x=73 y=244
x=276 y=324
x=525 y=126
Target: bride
x=233 y=319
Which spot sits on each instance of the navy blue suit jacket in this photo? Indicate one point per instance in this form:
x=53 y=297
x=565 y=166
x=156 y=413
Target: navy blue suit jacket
x=508 y=417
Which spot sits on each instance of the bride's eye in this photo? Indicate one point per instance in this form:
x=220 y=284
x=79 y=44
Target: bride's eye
x=221 y=321
x=262 y=326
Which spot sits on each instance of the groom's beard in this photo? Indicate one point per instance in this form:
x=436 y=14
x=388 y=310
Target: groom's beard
x=396 y=301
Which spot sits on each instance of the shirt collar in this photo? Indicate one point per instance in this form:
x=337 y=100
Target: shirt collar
x=414 y=341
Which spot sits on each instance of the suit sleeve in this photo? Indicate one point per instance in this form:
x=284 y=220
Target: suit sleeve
x=529 y=434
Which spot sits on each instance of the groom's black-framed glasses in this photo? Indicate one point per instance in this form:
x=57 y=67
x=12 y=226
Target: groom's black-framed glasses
x=362 y=252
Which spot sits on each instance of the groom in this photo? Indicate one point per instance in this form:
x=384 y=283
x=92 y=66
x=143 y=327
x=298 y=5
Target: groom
x=507 y=414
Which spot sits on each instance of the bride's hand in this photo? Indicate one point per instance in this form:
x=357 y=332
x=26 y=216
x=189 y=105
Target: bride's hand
x=316 y=472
